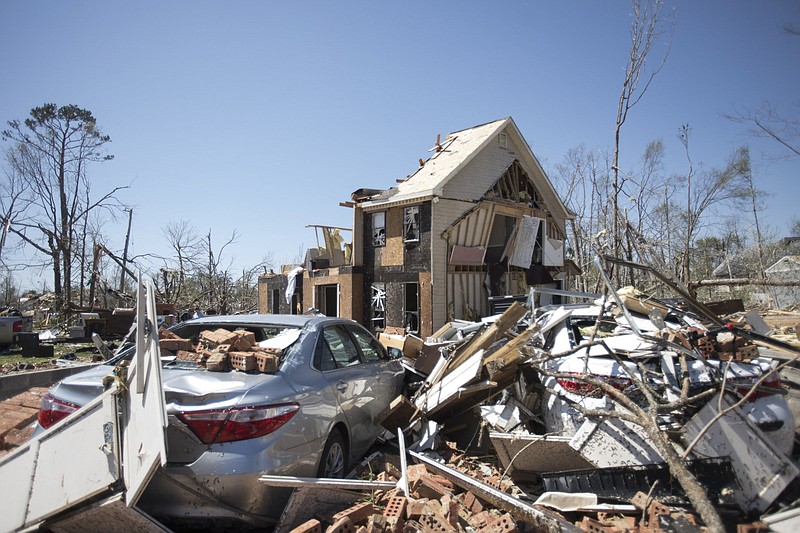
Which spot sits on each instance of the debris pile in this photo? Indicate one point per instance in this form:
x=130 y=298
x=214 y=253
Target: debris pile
x=626 y=399
x=220 y=350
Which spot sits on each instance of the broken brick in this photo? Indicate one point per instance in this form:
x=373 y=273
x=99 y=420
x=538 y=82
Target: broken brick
x=450 y=510
x=266 y=362
x=357 y=513
x=427 y=487
x=246 y=336
x=435 y=524
x=218 y=361
x=480 y=520
x=595 y=526
x=415 y=508
x=185 y=355
x=243 y=361
x=164 y=333
x=343 y=525
x=471 y=502
x=212 y=339
x=175 y=344
x=501 y=524
x=377 y=524
x=311 y=526
x=395 y=512
x=384 y=497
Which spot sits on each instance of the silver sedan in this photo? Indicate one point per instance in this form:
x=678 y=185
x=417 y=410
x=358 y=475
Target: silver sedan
x=313 y=417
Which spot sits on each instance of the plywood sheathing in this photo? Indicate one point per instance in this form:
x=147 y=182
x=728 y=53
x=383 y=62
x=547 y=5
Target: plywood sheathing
x=425 y=304
x=394 y=251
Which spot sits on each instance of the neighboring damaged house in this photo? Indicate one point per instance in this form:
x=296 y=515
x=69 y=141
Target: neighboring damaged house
x=478 y=219
x=786 y=268
x=281 y=293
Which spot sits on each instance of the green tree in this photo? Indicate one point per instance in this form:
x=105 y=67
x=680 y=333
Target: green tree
x=51 y=152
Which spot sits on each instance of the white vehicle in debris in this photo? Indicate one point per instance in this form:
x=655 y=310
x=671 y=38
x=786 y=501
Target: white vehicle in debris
x=12 y=324
x=590 y=351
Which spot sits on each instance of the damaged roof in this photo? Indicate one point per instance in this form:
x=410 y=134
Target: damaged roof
x=453 y=154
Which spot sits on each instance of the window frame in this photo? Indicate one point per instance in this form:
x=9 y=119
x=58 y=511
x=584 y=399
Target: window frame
x=360 y=334
x=411 y=224
x=378 y=240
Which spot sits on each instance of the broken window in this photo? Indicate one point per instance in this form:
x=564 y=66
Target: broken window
x=411 y=319
x=379 y=228
x=378 y=306
x=411 y=224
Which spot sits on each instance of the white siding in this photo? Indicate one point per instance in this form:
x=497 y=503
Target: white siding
x=443 y=213
x=478 y=176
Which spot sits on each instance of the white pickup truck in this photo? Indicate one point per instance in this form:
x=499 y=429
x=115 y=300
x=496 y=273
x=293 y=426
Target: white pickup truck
x=11 y=325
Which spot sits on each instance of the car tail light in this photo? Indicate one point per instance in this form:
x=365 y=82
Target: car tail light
x=52 y=410
x=240 y=423
x=18 y=326
x=770 y=386
x=583 y=387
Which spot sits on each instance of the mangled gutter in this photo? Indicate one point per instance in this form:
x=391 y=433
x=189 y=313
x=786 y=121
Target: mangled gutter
x=542 y=520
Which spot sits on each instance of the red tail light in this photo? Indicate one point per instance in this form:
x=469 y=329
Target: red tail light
x=585 y=388
x=52 y=410
x=17 y=326
x=228 y=425
x=767 y=388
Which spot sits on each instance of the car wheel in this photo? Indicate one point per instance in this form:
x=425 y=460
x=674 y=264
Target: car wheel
x=334 y=457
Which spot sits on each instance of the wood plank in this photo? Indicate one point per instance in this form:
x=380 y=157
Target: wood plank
x=491 y=334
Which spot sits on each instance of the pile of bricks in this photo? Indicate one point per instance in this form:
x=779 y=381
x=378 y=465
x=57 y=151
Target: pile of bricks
x=221 y=350
x=724 y=345
x=433 y=505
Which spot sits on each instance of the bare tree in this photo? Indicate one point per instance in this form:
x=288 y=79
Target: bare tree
x=14 y=198
x=765 y=121
x=646 y=30
x=706 y=191
x=52 y=149
x=582 y=182
x=186 y=246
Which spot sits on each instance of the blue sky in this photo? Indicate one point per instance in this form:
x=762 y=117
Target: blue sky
x=261 y=116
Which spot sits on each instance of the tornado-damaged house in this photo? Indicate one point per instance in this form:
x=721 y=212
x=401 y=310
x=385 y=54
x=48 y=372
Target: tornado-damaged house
x=479 y=220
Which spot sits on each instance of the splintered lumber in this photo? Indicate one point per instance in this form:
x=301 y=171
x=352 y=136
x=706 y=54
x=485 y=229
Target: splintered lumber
x=490 y=335
x=398 y=414
x=509 y=352
x=447 y=387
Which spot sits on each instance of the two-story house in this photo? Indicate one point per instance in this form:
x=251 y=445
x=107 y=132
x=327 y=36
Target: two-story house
x=478 y=219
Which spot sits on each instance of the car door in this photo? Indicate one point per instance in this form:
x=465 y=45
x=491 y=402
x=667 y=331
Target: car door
x=341 y=366
x=382 y=376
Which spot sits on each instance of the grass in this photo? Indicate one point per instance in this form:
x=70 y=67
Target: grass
x=83 y=351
